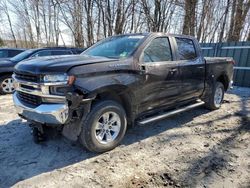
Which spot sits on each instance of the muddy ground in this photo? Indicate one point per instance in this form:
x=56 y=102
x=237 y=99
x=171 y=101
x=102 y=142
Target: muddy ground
x=198 y=148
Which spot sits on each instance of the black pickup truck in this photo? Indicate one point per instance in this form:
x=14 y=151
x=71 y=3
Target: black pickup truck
x=95 y=96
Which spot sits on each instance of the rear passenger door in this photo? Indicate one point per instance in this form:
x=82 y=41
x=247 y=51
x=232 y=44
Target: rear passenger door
x=162 y=84
x=192 y=68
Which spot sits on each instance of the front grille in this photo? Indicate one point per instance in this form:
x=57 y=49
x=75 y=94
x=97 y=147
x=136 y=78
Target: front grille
x=27 y=77
x=32 y=100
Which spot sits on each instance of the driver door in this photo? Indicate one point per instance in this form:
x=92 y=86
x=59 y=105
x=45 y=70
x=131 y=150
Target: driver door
x=162 y=83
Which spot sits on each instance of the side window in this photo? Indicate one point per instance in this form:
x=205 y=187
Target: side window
x=61 y=52
x=186 y=49
x=43 y=53
x=3 y=53
x=13 y=53
x=158 y=50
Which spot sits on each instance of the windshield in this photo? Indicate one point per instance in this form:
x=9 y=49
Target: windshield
x=22 y=56
x=115 y=47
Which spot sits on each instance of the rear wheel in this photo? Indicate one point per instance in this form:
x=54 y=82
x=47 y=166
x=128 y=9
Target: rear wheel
x=216 y=97
x=104 y=127
x=6 y=85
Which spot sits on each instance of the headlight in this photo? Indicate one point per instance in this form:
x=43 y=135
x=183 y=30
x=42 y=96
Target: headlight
x=63 y=78
x=55 y=78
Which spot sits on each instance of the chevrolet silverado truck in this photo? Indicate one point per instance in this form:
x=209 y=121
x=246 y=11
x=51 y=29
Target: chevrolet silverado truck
x=119 y=82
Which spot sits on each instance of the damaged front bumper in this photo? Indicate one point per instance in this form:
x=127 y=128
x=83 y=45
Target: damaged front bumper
x=54 y=114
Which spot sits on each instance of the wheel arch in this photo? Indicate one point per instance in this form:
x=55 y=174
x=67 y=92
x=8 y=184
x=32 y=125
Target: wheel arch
x=5 y=73
x=119 y=93
x=223 y=78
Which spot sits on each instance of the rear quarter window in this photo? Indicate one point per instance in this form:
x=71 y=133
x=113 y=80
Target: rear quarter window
x=186 y=49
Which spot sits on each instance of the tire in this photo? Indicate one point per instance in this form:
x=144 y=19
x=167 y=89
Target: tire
x=216 y=97
x=5 y=89
x=94 y=135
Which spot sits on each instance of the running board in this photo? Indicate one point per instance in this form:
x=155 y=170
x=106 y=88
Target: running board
x=170 y=113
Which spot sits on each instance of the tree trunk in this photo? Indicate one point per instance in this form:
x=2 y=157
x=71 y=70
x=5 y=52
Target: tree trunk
x=109 y=18
x=238 y=16
x=203 y=15
x=189 y=19
x=224 y=21
x=28 y=22
x=5 y=7
x=11 y=29
x=88 y=4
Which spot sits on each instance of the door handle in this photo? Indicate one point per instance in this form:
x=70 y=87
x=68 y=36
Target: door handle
x=143 y=68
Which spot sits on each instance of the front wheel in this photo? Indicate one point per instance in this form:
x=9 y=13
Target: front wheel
x=104 y=127
x=216 y=97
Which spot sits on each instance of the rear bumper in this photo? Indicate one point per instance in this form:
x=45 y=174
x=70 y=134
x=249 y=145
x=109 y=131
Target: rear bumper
x=45 y=113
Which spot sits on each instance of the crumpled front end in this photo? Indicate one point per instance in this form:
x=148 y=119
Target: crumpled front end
x=45 y=113
x=35 y=102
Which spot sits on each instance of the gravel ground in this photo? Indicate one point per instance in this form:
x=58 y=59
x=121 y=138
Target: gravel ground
x=198 y=148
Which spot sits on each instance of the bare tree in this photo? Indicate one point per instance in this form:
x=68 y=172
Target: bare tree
x=189 y=19
x=206 y=5
x=238 y=16
x=88 y=6
x=46 y=22
x=158 y=14
x=224 y=21
x=5 y=9
x=72 y=14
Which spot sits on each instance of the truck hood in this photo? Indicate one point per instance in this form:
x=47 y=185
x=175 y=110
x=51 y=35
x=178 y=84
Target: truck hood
x=50 y=64
x=6 y=66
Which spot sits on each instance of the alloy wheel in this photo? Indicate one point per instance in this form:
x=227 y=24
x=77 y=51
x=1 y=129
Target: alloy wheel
x=7 y=85
x=107 y=127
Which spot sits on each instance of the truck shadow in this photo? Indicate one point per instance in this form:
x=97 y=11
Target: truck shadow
x=218 y=159
x=221 y=156
x=21 y=158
